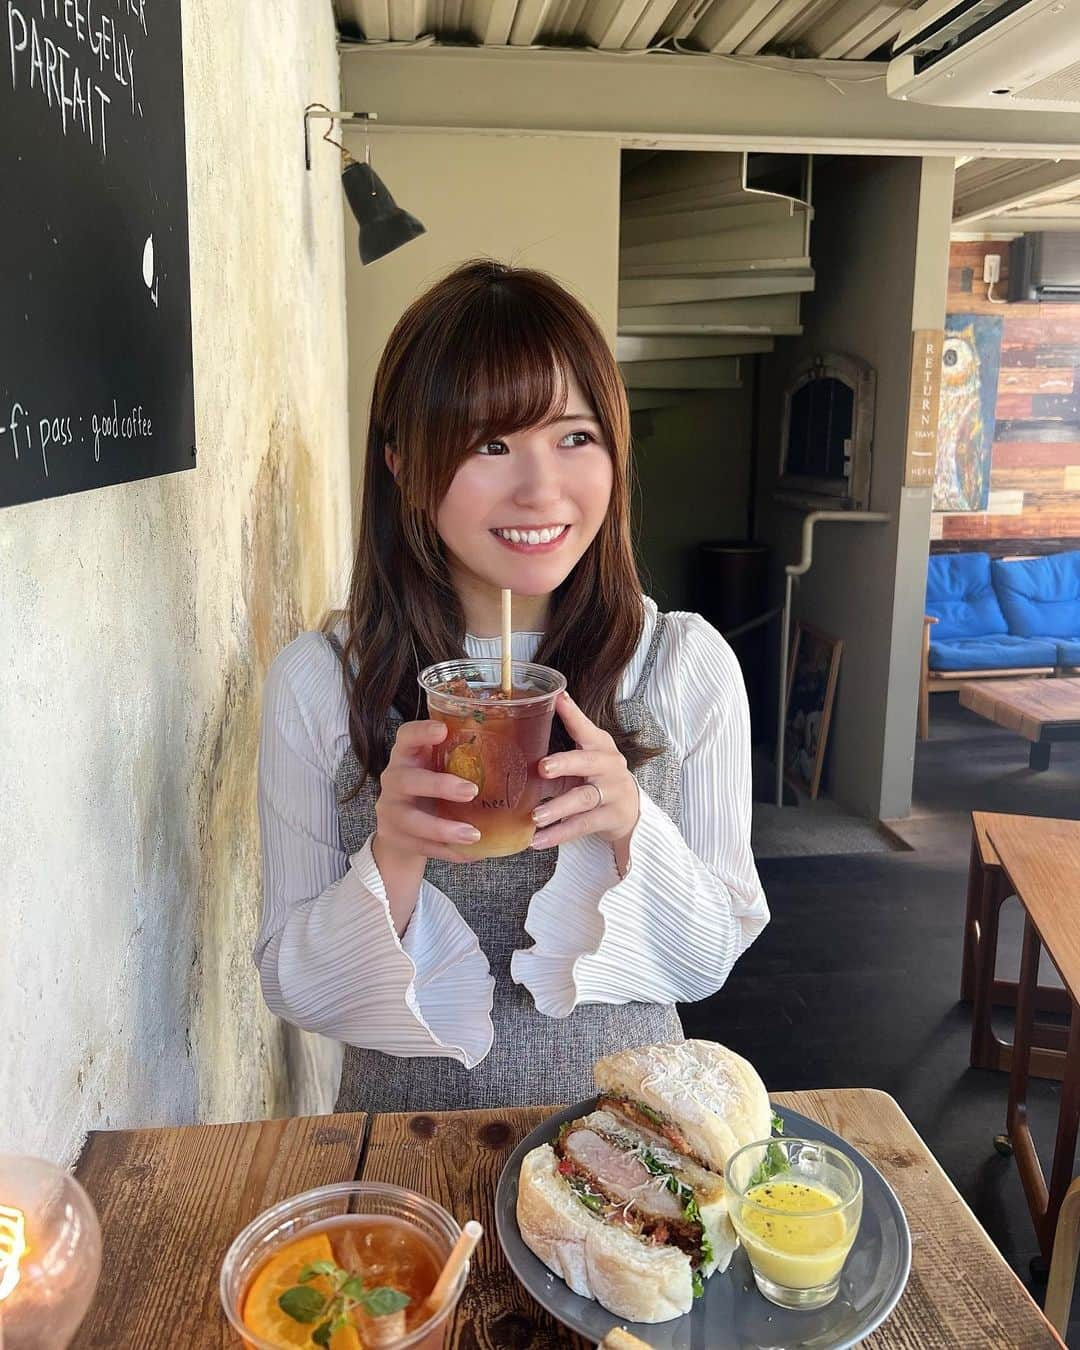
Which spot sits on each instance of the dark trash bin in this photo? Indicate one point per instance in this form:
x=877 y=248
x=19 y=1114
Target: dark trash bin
x=730 y=586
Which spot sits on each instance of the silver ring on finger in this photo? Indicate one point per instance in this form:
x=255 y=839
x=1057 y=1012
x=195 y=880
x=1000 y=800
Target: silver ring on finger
x=599 y=795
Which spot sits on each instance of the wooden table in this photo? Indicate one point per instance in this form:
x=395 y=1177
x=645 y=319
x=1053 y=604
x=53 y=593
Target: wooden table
x=1041 y=858
x=1042 y=711
x=988 y=889
x=171 y=1200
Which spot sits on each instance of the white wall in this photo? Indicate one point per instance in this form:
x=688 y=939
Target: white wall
x=137 y=623
x=545 y=202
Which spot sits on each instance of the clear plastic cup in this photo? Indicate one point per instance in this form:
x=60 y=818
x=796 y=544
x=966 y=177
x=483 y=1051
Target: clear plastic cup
x=796 y=1205
x=495 y=742
x=330 y=1208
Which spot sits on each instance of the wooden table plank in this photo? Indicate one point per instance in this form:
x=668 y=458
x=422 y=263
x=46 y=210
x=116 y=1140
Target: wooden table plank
x=171 y=1201
x=961 y=1293
x=1041 y=858
x=457 y=1159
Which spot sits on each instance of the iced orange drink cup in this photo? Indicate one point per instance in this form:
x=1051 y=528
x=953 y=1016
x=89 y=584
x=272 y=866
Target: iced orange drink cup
x=346 y=1266
x=495 y=741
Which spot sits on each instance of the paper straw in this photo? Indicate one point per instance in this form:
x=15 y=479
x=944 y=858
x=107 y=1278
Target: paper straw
x=507 y=670
x=470 y=1235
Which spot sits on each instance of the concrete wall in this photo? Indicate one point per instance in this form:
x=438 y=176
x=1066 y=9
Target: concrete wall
x=880 y=253
x=692 y=463
x=546 y=202
x=137 y=623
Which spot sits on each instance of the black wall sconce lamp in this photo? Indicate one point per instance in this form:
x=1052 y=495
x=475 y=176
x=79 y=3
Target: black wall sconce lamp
x=384 y=226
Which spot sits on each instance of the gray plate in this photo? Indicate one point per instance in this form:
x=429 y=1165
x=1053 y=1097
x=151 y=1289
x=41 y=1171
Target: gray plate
x=732 y=1314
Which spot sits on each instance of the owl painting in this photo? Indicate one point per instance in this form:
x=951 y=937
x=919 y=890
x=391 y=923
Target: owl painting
x=970 y=357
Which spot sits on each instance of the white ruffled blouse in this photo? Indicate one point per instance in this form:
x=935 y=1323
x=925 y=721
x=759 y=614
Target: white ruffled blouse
x=670 y=930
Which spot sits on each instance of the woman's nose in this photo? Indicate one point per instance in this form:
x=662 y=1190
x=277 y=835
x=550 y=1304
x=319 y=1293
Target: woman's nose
x=539 y=480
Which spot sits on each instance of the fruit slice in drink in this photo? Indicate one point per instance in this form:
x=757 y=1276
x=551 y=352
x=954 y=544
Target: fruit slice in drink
x=495 y=742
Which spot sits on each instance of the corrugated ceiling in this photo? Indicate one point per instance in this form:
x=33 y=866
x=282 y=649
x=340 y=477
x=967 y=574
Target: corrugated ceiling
x=988 y=192
x=846 y=29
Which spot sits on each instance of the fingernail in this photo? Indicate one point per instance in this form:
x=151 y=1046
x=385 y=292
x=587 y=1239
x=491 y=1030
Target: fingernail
x=467 y=834
x=545 y=767
x=467 y=791
x=540 y=816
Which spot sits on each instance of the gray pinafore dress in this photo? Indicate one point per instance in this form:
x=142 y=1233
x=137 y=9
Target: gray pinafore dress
x=534 y=1059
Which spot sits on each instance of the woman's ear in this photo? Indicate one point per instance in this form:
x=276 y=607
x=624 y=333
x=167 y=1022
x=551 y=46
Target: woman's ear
x=392 y=461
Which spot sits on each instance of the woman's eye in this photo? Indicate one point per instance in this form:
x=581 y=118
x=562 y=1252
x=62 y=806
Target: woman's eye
x=587 y=436
x=493 y=448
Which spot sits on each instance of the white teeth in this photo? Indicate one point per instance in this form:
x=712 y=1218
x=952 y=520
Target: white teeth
x=544 y=536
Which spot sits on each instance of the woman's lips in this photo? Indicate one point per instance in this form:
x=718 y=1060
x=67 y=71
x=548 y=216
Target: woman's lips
x=522 y=545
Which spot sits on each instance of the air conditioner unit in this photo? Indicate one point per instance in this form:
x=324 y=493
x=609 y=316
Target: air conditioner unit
x=1045 y=266
x=989 y=54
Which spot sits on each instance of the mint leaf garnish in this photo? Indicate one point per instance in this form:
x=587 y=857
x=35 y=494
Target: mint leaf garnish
x=309 y=1272
x=383 y=1301
x=305 y=1304
x=302 y=1304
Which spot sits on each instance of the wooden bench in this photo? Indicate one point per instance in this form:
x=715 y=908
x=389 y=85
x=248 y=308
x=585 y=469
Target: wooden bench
x=940 y=681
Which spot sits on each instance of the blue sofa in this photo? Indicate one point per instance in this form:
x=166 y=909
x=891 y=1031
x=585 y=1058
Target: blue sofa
x=996 y=617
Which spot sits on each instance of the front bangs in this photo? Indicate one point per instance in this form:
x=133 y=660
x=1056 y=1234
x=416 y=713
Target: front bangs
x=502 y=374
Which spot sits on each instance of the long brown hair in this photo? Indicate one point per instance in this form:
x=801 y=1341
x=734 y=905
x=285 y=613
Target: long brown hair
x=480 y=355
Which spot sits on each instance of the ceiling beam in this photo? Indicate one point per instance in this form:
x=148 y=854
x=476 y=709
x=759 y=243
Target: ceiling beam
x=671 y=101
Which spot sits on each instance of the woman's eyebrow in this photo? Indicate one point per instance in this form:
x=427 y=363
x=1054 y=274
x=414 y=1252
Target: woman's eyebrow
x=573 y=417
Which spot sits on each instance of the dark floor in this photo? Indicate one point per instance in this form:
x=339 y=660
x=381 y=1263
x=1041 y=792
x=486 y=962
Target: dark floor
x=855 y=981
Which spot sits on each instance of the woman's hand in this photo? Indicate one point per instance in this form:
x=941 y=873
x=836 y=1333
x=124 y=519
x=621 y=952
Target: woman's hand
x=606 y=804
x=407 y=825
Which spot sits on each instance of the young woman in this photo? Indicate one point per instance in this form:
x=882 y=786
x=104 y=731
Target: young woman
x=497 y=456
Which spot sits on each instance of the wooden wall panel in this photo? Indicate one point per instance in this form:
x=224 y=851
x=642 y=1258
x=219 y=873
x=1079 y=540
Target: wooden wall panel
x=1037 y=440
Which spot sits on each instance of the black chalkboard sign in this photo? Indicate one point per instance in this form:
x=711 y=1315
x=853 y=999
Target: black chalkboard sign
x=95 y=294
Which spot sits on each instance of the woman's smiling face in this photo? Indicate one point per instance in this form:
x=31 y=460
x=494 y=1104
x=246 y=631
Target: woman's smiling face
x=521 y=510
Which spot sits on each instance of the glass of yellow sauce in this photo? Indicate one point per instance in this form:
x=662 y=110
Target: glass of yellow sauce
x=796 y=1206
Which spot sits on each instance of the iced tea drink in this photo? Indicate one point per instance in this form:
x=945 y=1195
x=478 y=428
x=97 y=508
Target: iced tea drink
x=346 y=1266
x=495 y=742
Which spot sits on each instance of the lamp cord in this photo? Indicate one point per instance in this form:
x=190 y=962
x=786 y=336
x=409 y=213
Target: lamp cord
x=328 y=138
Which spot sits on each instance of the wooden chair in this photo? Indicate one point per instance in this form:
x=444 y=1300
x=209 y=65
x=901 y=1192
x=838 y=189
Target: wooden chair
x=1059 y=1288
x=988 y=889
